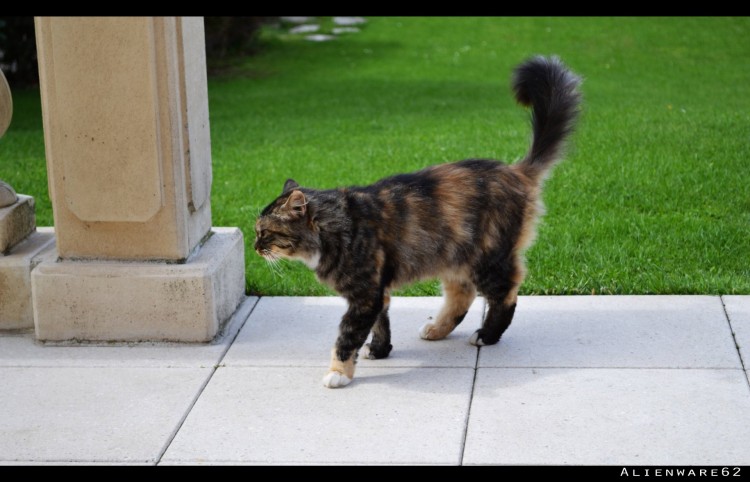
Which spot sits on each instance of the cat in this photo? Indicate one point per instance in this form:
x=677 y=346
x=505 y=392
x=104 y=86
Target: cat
x=466 y=223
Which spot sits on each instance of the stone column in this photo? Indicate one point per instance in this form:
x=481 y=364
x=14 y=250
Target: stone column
x=126 y=128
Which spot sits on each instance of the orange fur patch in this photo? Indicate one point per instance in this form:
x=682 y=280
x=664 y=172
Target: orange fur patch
x=346 y=367
x=451 y=191
x=459 y=295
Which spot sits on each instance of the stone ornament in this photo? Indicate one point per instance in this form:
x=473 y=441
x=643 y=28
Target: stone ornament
x=8 y=196
x=6 y=104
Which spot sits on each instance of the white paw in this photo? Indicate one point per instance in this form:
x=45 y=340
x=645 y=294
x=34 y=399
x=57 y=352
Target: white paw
x=475 y=340
x=336 y=380
x=365 y=352
x=424 y=332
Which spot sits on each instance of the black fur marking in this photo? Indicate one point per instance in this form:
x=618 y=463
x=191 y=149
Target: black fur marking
x=418 y=183
x=356 y=325
x=380 y=345
x=457 y=320
x=497 y=321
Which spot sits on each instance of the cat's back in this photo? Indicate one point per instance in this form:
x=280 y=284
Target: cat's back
x=468 y=173
x=450 y=190
x=476 y=182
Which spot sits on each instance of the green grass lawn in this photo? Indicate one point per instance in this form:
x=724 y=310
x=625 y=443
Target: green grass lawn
x=654 y=196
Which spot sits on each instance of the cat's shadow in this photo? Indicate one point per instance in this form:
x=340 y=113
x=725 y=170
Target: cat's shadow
x=457 y=378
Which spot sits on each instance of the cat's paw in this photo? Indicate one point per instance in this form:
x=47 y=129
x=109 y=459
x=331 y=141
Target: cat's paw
x=481 y=339
x=430 y=331
x=475 y=339
x=365 y=352
x=377 y=352
x=335 y=379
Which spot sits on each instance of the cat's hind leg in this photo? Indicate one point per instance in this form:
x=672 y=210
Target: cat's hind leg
x=459 y=295
x=380 y=345
x=499 y=283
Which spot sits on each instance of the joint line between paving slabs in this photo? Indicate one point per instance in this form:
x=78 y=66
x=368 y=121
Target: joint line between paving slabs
x=471 y=398
x=205 y=384
x=734 y=339
x=468 y=411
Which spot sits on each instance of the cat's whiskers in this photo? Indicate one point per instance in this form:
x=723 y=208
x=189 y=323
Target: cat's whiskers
x=273 y=261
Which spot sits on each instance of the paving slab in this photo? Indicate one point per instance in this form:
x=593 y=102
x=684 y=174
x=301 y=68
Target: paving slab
x=609 y=416
x=66 y=463
x=22 y=350
x=300 y=331
x=616 y=331
x=738 y=312
x=111 y=414
x=276 y=415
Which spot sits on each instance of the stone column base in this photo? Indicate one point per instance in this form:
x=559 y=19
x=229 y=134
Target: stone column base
x=16 y=222
x=15 y=278
x=141 y=301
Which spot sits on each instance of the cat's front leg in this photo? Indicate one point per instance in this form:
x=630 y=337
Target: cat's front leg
x=353 y=331
x=340 y=373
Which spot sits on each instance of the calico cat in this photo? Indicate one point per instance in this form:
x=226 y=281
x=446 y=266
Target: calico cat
x=466 y=223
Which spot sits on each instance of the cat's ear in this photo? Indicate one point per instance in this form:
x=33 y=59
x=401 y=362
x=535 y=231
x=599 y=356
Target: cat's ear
x=289 y=185
x=296 y=204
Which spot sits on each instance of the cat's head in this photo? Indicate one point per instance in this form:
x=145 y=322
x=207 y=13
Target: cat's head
x=285 y=228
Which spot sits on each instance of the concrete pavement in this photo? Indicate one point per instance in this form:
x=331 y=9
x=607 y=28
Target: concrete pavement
x=612 y=380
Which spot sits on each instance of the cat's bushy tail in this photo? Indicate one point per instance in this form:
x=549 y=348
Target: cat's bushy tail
x=551 y=90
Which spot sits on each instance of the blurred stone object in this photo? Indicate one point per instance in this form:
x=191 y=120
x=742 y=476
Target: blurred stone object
x=6 y=104
x=319 y=37
x=7 y=195
x=16 y=213
x=349 y=20
x=17 y=221
x=304 y=29
x=297 y=20
x=340 y=30
x=22 y=248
